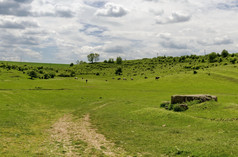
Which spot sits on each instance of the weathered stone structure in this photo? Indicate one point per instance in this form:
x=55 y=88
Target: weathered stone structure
x=176 y=99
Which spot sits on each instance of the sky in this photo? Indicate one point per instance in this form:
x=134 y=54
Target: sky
x=64 y=31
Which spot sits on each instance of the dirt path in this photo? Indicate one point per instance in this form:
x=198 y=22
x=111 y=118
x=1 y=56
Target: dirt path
x=71 y=137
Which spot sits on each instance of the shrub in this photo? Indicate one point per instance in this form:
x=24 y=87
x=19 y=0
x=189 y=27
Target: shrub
x=212 y=57
x=52 y=74
x=118 y=71
x=72 y=74
x=180 y=107
x=64 y=75
x=233 y=60
x=46 y=76
x=164 y=104
x=33 y=74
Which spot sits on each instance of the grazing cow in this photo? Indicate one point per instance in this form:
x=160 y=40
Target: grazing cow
x=82 y=78
x=86 y=81
x=124 y=79
x=132 y=79
x=106 y=80
x=113 y=78
x=119 y=79
x=146 y=77
x=157 y=78
x=76 y=78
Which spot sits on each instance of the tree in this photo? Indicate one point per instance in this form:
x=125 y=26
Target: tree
x=111 y=60
x=93 y=57
x=96 y=57
x=212 y=57
x=224 y=53
x=119 y=60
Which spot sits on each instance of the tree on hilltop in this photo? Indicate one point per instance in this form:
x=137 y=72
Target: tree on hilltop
x=224 y=53
x=93 y=57
x=119 y=60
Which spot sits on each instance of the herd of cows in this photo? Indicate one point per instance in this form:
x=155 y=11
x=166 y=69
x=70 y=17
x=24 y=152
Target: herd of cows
x=156 y=78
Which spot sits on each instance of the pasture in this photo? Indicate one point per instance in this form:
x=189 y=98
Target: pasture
x=126 y=112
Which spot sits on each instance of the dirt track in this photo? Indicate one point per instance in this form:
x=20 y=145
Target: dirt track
x=67 y=130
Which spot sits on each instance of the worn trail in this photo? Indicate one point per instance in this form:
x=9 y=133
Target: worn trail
x=77 y=137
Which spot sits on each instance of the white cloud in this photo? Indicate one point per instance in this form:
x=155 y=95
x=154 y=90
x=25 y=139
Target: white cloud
x=20 y=54
x=166 y=36
x=222 y=41
x=176 y=17
x=13 y=23
x=112 y=10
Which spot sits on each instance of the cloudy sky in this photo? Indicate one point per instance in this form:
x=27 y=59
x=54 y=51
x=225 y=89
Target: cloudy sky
x=63 y=31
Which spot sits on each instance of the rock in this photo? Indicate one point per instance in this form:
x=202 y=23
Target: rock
x=175 y=99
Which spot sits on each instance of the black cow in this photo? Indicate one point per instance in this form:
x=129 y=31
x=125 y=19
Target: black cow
x=157 y=77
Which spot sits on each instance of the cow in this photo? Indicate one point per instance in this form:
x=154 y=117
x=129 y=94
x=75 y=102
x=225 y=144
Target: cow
x=119 y=79
x=124 y=79
x=146 y=77
x=132 y=79
x=157 y=77
x=75 y=78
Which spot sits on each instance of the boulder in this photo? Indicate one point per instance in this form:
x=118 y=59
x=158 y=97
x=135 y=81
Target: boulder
x=176 y=99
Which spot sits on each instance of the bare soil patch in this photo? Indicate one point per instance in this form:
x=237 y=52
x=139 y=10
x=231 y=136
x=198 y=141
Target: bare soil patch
x=77 y=137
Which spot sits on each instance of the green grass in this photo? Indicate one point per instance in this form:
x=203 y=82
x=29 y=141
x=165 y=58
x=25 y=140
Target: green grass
x=131 y=118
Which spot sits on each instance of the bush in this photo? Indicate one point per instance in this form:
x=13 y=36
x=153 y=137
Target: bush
x=180 y=107
x=164 y=104
x=233 y=60
x=33 y=74
x=52 y=75
x=118 y=71
x=64 y=75
x=72 y=74
x=212 y=57
x=46 y=76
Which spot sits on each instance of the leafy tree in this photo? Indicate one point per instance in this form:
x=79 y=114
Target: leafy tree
x=93 y=57
x=111 y=60
x=119 y=60
x=96 y=57
x=224 y=53
x=212 y=57
x=71 y=64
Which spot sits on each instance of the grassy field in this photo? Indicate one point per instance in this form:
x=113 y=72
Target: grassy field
x=126 y=112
